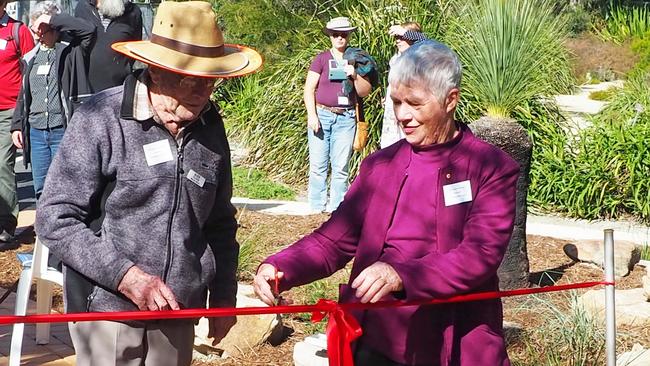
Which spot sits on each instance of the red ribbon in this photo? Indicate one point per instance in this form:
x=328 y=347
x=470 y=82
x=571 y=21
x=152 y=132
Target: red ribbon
x=342 y=328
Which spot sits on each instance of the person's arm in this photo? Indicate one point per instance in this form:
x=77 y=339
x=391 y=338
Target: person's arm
x=362 y=85
x=18 y=120
x=310 y=100
x=76 y=180
x=137 y=23
x=26 y=39
x=323 y=252
x=486 y=234
x=82 y=32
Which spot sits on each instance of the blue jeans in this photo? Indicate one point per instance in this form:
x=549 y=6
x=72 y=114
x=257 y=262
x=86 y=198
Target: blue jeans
x=43 y=146
x=332 y=144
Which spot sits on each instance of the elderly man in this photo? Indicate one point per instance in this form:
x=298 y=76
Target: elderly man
x=137 y=201
x=116 y=21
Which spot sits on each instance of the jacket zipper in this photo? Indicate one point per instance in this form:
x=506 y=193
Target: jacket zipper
x=180 y=141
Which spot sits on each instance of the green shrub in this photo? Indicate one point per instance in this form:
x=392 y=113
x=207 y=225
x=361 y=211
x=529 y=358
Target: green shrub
x=512 y=52
x=252 y=183
x=266 y=111
x=604 y=172
x=641 y=46
x=624 y=22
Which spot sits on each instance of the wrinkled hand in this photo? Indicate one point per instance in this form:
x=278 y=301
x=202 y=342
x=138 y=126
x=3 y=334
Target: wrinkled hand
x=219 y=327
x=313 y=123
x=17 y=138
x=350 y=71
x=146 y=291
x=376 y=281
x=396 y=30
x=264 y=283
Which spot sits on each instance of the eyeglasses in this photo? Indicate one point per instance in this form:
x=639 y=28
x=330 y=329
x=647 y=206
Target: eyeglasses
x=339 y=34
x=183 y=82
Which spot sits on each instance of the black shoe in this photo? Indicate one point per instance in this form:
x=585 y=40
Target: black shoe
x=7 y=241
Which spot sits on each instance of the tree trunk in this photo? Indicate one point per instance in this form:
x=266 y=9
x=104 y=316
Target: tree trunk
x=512 y=138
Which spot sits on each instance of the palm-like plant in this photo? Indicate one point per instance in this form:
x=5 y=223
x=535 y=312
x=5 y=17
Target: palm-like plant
x=513 y=54
x=512 y=51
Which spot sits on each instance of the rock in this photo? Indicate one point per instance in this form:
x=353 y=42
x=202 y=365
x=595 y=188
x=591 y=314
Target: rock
x=312 y=351
x=249 y=331
x=632 y=307
x=626 y=254
x=645 y=280
x=638 y=356
x=512 y=331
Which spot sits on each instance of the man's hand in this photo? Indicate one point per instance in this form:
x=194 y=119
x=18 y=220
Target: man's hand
x=17 y=138
x=313 y=123
x=146 y=291
x=264 y=283
x=376 y=281
x=219 y=327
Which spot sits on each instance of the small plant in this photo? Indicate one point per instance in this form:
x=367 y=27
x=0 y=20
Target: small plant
x=252 y=183
x=603 y=95
x=625 y=22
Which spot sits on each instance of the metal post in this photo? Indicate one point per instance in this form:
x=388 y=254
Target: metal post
x=610 y=310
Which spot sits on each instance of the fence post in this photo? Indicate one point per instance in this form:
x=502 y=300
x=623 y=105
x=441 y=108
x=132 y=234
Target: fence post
x=610 y=310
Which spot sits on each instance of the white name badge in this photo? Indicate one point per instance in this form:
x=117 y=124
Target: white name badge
x=43 y=69
x=196 y=178
x=158 y=152
x=3 y=44
x=343 y=100
x=457 y=193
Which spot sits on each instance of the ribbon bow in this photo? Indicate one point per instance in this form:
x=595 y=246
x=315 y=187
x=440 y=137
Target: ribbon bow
x=342 y=329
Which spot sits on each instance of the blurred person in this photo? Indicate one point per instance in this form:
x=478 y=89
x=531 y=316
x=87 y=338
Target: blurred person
x=15 y=41
x=137 y=199
x=333 y=86
x=53 y=85
x=116 y=21
x=428 y=217
x=405 y=35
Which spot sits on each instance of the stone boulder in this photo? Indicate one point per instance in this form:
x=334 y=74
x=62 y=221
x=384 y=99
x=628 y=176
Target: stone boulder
x=645 y=280
x=249 y=331
x=638 y=356
x=632 y=306
x=626 y=254
x=312 y=351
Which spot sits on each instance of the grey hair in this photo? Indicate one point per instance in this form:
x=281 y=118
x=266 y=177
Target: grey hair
x=44 y=7
x=430 y=64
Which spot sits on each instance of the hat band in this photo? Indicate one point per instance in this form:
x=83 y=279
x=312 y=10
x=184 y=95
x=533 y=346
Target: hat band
x=186 y=48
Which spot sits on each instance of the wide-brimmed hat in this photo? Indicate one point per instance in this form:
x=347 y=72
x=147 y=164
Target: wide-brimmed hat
x=187 y=40
x=339 y=24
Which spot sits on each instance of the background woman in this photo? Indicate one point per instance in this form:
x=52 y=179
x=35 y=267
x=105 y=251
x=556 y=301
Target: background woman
x=331 y=116
x=54 y=82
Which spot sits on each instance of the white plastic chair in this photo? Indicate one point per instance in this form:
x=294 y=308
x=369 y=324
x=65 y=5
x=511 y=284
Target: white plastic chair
x=34 y=268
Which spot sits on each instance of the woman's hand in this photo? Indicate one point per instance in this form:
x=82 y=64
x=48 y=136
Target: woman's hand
x=264 y=283
x=376 y=281
x=313 y=123
x=17 y=138
x=396 y=30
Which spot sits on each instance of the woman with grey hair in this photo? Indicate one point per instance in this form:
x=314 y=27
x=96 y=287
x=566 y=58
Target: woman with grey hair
x=428 y=217
x=53 y=84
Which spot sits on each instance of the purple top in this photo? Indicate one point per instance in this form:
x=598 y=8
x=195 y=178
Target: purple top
x=327 y=91
x=462 y=255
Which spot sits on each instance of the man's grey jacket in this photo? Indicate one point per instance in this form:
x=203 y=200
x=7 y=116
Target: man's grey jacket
x=108 y=205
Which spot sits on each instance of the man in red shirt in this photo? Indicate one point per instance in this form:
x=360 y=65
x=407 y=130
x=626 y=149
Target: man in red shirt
x=10 y=80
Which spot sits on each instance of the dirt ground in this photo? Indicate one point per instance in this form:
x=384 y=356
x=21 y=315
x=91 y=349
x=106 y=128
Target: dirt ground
x=267 y=234
x=590 y=54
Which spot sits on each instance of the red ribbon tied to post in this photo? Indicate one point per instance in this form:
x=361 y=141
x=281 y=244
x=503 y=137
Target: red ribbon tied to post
x=342 y=329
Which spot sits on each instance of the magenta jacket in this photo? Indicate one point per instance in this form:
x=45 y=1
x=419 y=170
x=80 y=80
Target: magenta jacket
x=471 y=240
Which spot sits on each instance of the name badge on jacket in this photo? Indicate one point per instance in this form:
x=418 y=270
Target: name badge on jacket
x=3 y=44
x=457 y=193
x=43 y=69
x=158 y=152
